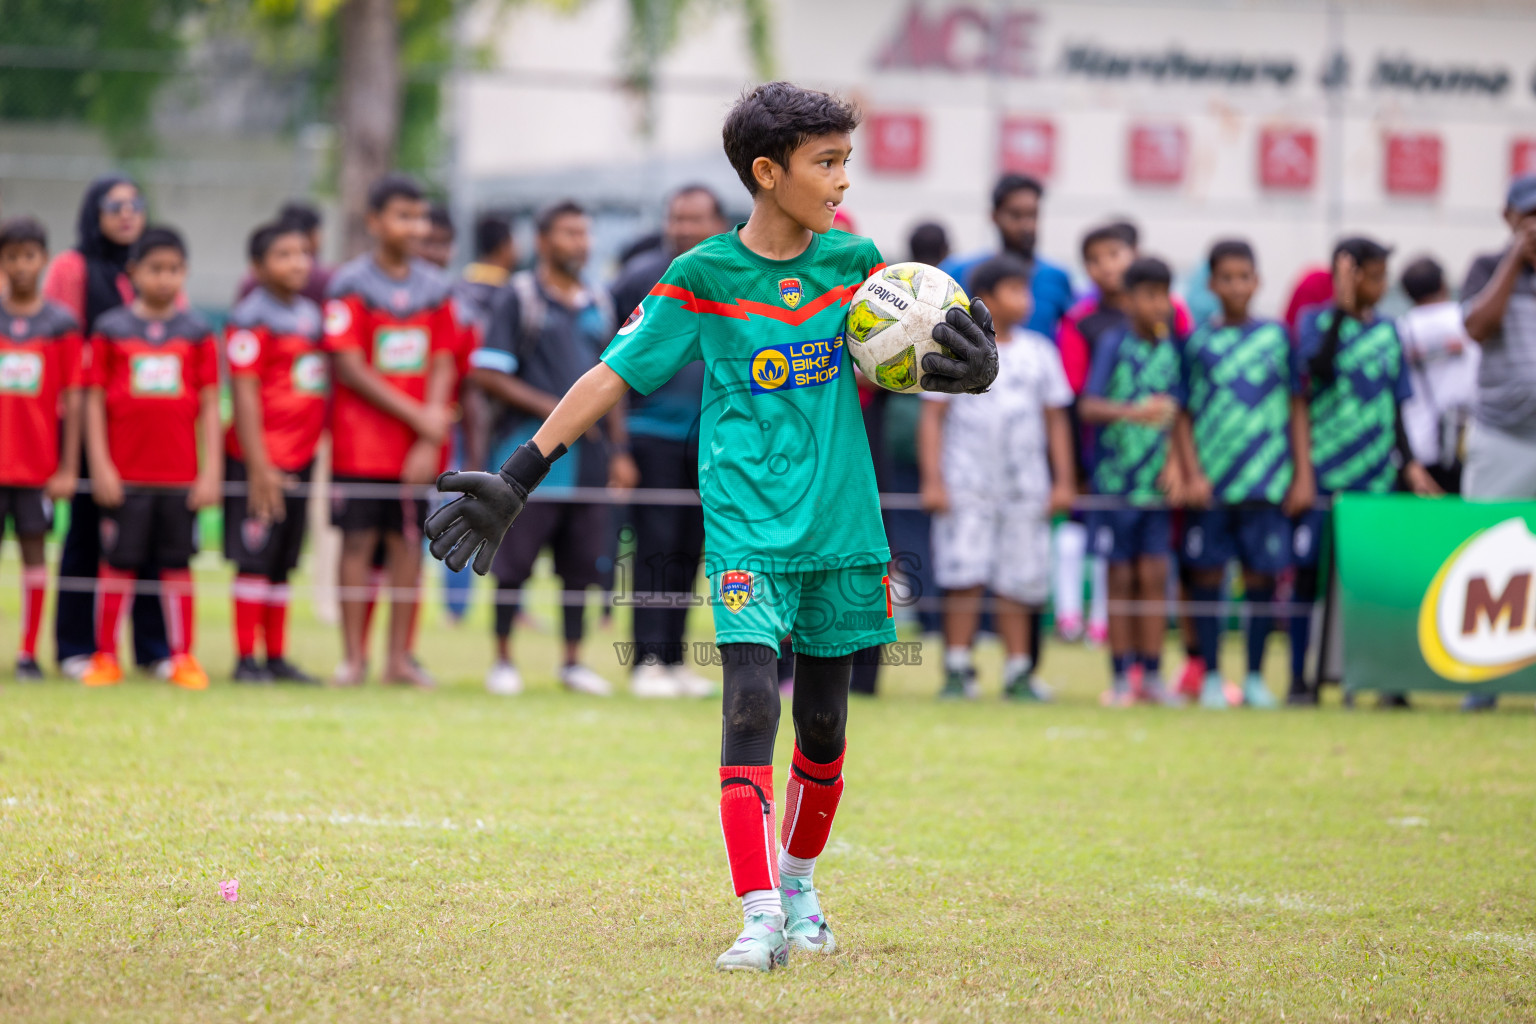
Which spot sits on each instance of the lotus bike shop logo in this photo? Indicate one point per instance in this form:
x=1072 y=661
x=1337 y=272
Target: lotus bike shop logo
x=1476 y=621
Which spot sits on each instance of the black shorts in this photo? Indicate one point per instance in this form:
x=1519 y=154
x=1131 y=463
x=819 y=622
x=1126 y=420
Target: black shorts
x=580 y=536
x=403 y=514
x=150 y=527
x=258 y=548
x=30 y=513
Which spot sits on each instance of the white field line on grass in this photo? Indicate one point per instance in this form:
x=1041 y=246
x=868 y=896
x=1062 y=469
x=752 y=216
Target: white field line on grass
x=368 y=821
x=1522 y=943
x=1288 y=902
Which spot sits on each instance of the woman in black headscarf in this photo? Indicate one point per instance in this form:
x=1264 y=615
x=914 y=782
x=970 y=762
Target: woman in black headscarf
x=90 y=279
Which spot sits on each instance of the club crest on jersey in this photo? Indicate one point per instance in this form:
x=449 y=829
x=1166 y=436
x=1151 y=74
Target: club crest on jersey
x=18 y=328
x=633 y=322
x=735 y=589
x=791 y=292
x=243 y=348
x=338 y=317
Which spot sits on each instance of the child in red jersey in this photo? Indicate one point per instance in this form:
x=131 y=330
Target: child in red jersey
x=390 y=326
x=279 y=377
x=39 y=378
x=154 y=401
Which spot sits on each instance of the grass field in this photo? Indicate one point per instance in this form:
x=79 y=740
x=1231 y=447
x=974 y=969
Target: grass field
x=409 y=856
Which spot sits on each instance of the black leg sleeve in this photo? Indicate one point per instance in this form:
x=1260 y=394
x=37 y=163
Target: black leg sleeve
x=749 y=719
x=821 y=705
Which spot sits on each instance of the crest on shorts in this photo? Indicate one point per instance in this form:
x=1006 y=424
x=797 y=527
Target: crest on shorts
x=735 y=589
x=108 y=534
x=254 y=533
x=791 y=292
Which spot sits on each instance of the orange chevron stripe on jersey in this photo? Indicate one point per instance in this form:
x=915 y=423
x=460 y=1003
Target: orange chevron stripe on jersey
x=744 y=309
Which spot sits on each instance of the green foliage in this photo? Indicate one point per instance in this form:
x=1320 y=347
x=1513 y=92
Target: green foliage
x=97 y=61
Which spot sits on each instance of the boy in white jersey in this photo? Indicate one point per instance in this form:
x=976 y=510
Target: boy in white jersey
x=995 y=466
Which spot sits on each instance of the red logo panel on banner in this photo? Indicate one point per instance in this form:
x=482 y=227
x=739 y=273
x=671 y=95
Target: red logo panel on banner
x=896 y=142
x=1158 y=154
x=1522 y=157
x=1287 y=158
x=1027 y=146
x=1413 y=163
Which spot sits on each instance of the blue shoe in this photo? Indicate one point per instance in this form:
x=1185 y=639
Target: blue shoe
x=1213 y=692
x=1479 y=702
x=1256 y=694
x=760 y=947
x=804 y=923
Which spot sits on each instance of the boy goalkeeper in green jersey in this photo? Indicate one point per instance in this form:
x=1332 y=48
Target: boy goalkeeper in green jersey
x=794 y=545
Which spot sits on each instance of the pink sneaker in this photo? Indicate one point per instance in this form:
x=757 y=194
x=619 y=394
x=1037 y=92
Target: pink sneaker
x=1192 y=677
x=1098 y=633
x=1070 y=628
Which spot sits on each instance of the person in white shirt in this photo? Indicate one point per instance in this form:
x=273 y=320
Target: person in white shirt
x=994 y=468
x=1442 y=367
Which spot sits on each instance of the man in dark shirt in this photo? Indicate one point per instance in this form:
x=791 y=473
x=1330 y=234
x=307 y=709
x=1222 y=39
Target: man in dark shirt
x=546 y=330
x=663 y=432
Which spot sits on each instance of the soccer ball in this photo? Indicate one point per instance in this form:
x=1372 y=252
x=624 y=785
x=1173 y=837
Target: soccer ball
x=890 y=324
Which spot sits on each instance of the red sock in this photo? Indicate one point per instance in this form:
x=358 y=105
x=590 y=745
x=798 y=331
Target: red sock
x=250 y=594
x=746 y=818
x=34 y=588
x=113 y=590
x=277 y=620
x=176 y=602
x=810 y=803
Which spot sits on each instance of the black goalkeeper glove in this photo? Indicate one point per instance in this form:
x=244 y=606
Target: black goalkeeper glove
x=472 y=526
x=971 y=339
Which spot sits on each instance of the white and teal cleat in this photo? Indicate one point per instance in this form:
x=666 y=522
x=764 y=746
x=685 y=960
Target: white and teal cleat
x=760 y=947
x=804 y=922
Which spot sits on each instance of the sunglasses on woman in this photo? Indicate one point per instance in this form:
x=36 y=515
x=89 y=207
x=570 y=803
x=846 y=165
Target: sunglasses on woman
x=114 y=207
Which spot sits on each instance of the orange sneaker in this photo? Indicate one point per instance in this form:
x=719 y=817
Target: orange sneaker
x=103 y=671
x=187 y=673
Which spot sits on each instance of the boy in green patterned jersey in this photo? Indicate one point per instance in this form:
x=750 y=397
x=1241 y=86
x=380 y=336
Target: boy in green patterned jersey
x=1245 y=440
x=1355 y=381
x=793 y=540
x=1134 y=391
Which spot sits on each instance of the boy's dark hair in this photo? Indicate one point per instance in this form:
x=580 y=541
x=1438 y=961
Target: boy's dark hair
x=1147 y=270
x=302 y=214
x=775 y=119
x=157 y=237
x=929 y=244
x=552 y=213
x=440 y=218
x=1231 y=249
x=1121 y=231
x=491 y=232
x=1363 y=250
x=1422 y=279
x=1008 y=184
x=266 y=235
x=393 y=186
x=993 y=272
x=21 y=230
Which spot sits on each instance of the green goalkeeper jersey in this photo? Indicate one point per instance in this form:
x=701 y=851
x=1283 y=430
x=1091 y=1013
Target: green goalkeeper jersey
x=785 y=474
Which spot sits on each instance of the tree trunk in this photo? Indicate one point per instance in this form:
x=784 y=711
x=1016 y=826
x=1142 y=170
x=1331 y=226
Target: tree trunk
x=368 y=108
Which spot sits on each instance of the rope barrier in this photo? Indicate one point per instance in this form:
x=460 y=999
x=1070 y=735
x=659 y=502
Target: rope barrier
x=891 y=501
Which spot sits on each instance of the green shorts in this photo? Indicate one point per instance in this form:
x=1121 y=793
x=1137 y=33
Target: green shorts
x=826 y=613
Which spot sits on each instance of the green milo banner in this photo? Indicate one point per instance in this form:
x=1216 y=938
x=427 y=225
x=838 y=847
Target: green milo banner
x=1437 y=593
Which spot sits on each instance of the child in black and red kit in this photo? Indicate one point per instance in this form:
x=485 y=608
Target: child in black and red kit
x=154 y=395
x=39 y=380
x=279 y=378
